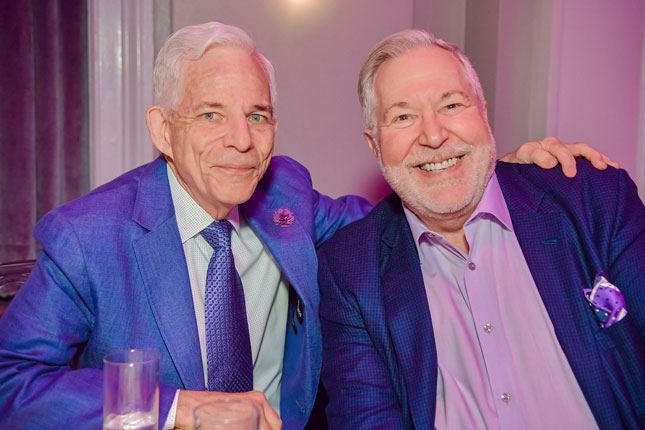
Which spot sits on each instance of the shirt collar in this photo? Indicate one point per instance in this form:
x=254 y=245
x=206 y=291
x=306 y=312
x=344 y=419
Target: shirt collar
x=492 y=206
x=191 y=217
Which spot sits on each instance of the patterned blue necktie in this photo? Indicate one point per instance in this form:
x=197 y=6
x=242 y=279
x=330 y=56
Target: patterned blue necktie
x=228 y=347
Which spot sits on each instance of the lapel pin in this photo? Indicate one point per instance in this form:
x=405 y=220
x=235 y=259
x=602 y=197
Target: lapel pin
x=283 y=218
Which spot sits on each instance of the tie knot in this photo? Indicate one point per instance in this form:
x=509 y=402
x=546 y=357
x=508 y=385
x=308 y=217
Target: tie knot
x=218 y=234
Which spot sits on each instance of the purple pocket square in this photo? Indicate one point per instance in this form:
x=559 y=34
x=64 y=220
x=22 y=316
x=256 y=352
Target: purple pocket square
x=607 y=301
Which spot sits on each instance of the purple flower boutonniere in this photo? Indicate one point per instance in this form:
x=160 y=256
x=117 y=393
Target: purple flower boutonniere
x=283 y=218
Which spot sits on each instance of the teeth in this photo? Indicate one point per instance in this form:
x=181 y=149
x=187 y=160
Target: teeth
x=437 y=167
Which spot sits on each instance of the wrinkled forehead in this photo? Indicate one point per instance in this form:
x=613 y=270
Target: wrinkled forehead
x=220 y=60
x=223 y=63
x=423 y=68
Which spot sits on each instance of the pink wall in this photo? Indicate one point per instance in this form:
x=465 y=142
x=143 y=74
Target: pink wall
x=317 y=48
x=595 y=84
x=521 y=72
x=573 y=69
x=570 y=68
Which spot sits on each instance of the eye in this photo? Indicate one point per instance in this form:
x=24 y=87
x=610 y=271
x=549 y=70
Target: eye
x=402 y=120
x=256 y=117
x=210 y=116
x=453 y=108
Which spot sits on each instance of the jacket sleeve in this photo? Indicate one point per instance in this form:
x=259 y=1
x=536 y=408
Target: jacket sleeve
x=627 y=244
x=333 y=214
x=44 y=333
x=624 y=341
x=602 y=223
x=615 y=222
x=361 y=391
x=288 y=180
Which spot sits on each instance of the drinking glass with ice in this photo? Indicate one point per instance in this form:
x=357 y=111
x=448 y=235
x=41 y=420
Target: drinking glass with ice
x=131 y=390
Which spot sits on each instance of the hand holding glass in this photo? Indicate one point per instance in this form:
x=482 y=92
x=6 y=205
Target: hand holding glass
x=227 y=414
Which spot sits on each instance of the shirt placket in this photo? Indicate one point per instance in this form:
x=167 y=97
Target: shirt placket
x=495 y=350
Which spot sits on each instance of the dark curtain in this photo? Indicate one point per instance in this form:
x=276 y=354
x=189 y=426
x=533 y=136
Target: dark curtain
x=43 y=115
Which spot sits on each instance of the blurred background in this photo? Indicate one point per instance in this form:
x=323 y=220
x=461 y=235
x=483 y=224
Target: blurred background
x=75 y=80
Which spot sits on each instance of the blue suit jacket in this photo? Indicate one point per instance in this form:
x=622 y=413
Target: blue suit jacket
x=113 y=275
x=379 y=356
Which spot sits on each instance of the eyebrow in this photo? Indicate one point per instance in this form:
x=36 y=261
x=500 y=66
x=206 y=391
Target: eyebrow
x=444 y=96
x=264 y=108
x=449 y=94
x=261 y=108
x=395 y=105
x=208 y=105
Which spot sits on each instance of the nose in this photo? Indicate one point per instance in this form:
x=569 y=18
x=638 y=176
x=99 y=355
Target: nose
x=239 y=136
x=433 y=131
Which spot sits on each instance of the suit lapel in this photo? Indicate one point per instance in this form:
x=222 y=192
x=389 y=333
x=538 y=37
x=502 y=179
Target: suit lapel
x=408 y=316
x=162 y=264
x=293 y=250
x=556 y=275
x=291 y=247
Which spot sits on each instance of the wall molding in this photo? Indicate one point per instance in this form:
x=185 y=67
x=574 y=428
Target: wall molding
x=121 y=57
x=555 y=71
x=640 y=160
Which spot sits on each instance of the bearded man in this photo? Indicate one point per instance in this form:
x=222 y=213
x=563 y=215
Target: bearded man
x=479 y=294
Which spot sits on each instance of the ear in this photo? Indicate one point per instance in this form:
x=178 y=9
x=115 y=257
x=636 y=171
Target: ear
x=371 y=141
x=159 y=128
x=485 y=111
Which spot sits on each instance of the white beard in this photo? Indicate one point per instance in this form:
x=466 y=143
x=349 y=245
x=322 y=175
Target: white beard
x=415 y=193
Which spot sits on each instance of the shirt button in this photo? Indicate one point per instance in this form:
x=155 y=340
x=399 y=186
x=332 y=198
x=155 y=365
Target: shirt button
x=506 y=397
x=488 y=328
x=472 y=266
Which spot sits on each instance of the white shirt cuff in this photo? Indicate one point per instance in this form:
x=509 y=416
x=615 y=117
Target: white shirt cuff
x=170 y=420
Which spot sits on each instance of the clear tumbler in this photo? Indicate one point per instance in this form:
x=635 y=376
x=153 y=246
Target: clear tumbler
x=131 y=390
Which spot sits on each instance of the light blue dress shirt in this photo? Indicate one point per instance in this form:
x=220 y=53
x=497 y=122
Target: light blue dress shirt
x=266 y=290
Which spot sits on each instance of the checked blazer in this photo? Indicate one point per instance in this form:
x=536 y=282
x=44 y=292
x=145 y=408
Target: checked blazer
x=379 y=355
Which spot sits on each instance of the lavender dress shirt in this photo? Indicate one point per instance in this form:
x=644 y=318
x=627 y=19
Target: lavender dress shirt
x=500 y=363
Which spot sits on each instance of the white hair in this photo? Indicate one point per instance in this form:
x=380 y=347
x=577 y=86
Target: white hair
x=190 y=43
x=394 y=46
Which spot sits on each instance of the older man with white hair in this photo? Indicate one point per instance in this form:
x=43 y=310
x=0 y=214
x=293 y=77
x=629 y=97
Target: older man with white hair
x=129 y=265
x=479 y=295
x=207 y=254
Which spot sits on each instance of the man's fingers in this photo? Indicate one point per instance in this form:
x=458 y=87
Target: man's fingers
x=550 y=151
x=189 y=400
x=583 y=150
x=269 y=419
x=611 y=162
x=543 y=158
x=272 y=418
x=600 y=161
x=523 y=154
x=535 y=153
x=563 y=154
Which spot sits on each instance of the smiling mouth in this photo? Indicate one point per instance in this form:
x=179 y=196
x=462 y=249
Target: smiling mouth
x=439 y=167
x=236 y=168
